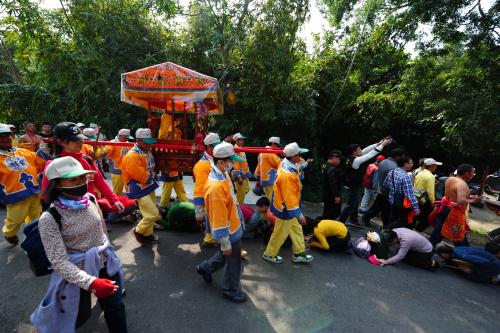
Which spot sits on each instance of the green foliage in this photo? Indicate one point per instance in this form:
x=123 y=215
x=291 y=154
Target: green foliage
x=358 y=85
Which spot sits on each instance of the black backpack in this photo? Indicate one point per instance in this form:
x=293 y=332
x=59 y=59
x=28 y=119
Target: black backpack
x=33 y=246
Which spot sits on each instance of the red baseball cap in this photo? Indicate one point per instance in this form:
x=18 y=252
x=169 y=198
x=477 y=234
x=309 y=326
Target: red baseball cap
x=380 y=158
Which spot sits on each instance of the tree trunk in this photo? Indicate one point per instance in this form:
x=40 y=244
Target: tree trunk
x=16 y=75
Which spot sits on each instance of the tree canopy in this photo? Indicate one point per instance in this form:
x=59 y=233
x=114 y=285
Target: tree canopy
x=360 y=81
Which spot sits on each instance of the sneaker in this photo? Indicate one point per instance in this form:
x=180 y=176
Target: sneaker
x=244 y=254
x=151 y=239
x=235 y=298
x=302 y=258
x=206 y=276
x=14 y=240
x=275 y=259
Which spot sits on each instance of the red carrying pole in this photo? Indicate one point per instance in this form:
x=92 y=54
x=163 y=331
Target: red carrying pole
x=255 y=150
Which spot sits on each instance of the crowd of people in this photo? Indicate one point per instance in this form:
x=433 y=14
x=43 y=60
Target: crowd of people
x=64 y=177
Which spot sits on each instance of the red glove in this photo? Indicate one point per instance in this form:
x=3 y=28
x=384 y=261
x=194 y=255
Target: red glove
x=103 y=288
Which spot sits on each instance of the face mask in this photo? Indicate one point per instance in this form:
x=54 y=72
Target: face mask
x=229 y=167
x=76 y=191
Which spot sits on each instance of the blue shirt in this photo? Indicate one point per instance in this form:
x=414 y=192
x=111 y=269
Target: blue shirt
x=399 y=183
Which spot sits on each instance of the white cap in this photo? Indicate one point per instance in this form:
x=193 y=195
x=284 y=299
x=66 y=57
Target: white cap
x=238 y=136
x=12 y=126
x=65 y=167
x=80 y=125
x=431 y=161
x=275 y=139
x=226 y=150
x=293 y=149
x=144 y=134
x=5 y=128
x=93 y=125
x=89 y=133
x=125 y=132
x=211 y=139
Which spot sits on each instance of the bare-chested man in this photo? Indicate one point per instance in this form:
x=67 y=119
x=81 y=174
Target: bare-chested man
x=30 y=140
x=450 y=215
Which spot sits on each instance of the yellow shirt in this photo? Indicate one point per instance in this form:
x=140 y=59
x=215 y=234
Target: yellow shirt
x=165 y=126
x=426 y=181
x=328 y=228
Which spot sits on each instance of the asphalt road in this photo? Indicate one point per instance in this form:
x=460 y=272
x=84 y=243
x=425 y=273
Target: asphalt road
x=336 y=293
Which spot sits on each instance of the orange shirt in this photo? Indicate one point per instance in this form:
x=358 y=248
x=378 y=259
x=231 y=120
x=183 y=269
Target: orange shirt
x=138 y=173
x=115 y=156
x=286 y=203
x=222 y=207
x=240 y=169
x=267 y=168
x=201 y=171
x=19 y=170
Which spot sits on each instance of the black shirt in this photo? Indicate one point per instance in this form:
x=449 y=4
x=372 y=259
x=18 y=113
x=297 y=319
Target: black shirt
x=332 y=181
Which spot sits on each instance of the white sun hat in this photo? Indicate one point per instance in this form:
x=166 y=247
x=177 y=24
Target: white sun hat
x=293 y=149
x=65 y=167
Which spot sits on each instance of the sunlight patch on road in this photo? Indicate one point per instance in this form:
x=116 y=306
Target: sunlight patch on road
x=191 y=248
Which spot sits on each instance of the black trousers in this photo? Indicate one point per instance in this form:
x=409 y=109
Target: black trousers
x=419 y=259
x=112 y=306
x=399 y=217
x=351 y=208
x=339 y=244
x=331 y=210
x=422 y=221
x=380 y=206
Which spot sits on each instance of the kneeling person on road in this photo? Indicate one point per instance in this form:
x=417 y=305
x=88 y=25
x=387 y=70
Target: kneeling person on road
x=414 y=249
x=328 y=235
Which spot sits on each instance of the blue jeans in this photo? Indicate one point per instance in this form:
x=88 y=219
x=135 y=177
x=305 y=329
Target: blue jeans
x=368 y=199
x=231 y=285
x=351 y=209
x=251 y=226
